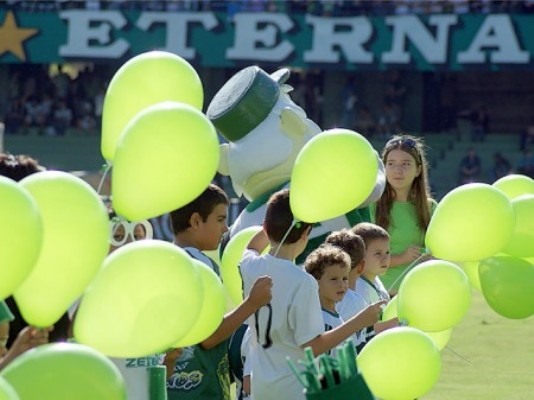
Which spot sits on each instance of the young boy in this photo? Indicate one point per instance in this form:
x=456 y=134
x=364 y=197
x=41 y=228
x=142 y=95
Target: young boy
x=330 y=266
x=369 y=287
x=352 y=244
x=202 y=371
x=293 y=320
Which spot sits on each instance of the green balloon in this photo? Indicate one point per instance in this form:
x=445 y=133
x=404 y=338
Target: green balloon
x=400 y=364
x=65 y=371
x=21 y=235
x=75 y=243
x=441 y=338
x=522 y=242
x=166 y=157
x=230 y=262
x=507 y=284
x=391 y=309
x=6 y=391
x=334 y=173
x=434 y=296
x=515 y=185
x=213 y=307
x=471 y=222
x=147 y=296
x=144 y=80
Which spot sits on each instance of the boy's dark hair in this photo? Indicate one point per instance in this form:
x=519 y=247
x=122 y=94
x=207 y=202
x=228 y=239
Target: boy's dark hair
x=369 y=232
x=323 y=257
x=18 y=167
x=279 y=218
x=350 y=243
x=203 y=204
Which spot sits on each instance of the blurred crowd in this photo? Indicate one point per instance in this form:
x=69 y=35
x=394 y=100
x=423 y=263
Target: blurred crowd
x=317 y=7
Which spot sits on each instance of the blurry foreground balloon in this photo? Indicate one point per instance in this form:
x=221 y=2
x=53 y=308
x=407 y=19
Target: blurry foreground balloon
x=144 y=80
x=6 y=391
x=434 y=296
x=166 y=157
x=515 y=185
x=335 y=172
x=400 y=364
x=213 y=307
x=21 y=235
x=65 y=371
x=230 y=262
x=507 y=284
x=471 y=270
x=147 y=296
x=471 y=222
x=522 y=242
x=75 y=243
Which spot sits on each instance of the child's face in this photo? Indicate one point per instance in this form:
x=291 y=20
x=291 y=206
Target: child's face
x=401 y=169
x=212 y=230
x=334 y=283
x=376 y=258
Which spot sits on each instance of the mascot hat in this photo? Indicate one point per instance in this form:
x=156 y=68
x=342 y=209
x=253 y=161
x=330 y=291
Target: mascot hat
x=245 y=101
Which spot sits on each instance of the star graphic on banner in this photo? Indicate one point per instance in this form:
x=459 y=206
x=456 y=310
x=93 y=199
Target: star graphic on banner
x=12 y=37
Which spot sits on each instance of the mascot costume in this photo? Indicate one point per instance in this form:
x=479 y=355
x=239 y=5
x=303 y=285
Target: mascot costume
x=265 y=131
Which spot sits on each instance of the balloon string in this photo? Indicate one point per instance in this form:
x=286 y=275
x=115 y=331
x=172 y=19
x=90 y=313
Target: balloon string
x=285 y=237
x=413 y=264
x=458 y=355
x=108 y=168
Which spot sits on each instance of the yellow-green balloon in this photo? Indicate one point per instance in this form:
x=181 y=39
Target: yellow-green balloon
x=515 y=185
x=434 y=296
x=471 y=222
x=75 y=243
x=230 y=262
x=333 y=174
x=146 y=297
x=62 y=371
x=166 y=157
x=400 y=364
x=440 y=338
x=471 y=270
x=522 y=242
x=144 y=80
x=507 y=284
x=21 y=235
x=213 y=307
x=6 y=391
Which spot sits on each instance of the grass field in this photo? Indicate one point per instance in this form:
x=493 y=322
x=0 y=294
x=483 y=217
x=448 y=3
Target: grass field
x=495 y=358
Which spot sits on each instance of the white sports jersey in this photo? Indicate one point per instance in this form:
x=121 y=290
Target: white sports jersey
x=295 y=320
x=351 y=305
x=331 y=321
x=371 y=292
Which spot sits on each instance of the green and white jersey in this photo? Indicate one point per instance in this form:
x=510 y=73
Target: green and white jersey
x=331 y=320
x=201 y=374
x=254 y=214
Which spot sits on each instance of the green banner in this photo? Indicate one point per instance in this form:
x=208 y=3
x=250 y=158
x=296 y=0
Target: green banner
x=207 y=39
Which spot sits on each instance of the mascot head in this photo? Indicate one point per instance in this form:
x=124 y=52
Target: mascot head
x=264 y=128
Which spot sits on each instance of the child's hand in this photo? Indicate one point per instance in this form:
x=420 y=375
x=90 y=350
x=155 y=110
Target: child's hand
x=384 y=325
x=261 y=292
x=371 y=314
x=28 y=338
x=411 y=254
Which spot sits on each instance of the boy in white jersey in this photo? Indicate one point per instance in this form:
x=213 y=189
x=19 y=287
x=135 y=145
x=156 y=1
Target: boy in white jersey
x=369 y=287
x=293 y=319
x=330 y=266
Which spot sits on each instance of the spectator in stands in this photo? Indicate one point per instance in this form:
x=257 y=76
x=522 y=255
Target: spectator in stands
x=501 y=166
x=62 y=118
x=470 y=167
x=365 y=122
x=525 y=165
x=526 y=138
x=349 y=97
x=480 y=124
x=14 y=119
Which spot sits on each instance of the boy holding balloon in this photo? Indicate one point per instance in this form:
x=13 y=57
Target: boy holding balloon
x=293 y=319
x=202 y=371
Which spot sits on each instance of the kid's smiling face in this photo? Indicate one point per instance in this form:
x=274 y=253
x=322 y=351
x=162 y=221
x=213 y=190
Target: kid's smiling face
x=376 y=258
x=333 y=284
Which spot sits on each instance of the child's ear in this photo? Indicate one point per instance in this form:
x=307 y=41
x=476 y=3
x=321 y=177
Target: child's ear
x=195 y=220
x=359 y=267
